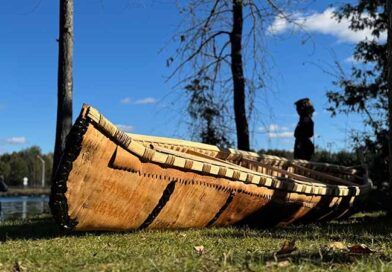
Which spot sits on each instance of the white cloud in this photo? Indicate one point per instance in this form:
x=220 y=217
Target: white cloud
x=16 y=140
x=323 y=23
x=126 y=128
x=145 y=101
x=126 y=100
x=273 y=128
x=142 y=101
x=274 y=131
x=279 y=25
x=280 y=135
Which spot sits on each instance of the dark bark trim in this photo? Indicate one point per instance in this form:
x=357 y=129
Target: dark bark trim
x=222 y=209
x=161 y=204
x=58 y=202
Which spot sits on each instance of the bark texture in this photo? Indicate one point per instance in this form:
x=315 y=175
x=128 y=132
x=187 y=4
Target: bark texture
x=238 y=77
x=64 y=79
x=389 y=79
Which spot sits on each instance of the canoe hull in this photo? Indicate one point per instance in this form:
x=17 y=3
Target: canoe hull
x=100 y=185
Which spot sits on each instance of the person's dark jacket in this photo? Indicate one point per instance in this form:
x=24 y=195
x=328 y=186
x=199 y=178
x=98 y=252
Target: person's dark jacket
x=304 y=148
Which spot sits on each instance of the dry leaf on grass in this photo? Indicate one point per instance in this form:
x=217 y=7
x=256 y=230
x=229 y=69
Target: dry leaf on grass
x=18 y=267
x=287 y=247
x=284 y=263
x=337 y=246
x=360 y=249
x=199 y=249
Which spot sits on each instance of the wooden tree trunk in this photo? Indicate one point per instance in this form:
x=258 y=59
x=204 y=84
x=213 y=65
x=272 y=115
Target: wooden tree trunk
x=389 y=80
x=64 y=79
x=237 y=71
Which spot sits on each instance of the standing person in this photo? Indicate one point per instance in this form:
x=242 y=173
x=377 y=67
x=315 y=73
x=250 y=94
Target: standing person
x=303 y=147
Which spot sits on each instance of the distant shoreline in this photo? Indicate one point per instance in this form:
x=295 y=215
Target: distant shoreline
x=18 y=191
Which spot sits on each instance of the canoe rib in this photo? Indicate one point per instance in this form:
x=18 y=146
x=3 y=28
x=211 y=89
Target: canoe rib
x=85 y=190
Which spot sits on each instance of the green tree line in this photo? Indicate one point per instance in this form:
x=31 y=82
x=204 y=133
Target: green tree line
x=25 y=163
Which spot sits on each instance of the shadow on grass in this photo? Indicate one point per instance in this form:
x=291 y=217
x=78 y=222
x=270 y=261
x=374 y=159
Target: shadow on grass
x=30 y=229
x=38 y=228
x=363 y=229
x=357 y=230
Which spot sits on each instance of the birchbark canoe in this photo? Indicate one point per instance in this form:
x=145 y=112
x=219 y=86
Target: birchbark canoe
x=110 y=180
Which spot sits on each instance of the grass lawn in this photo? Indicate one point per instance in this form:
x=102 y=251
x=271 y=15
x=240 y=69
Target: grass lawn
x=37 y=245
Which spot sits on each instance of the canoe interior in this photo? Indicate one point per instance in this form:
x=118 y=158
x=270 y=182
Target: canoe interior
x=108 y=180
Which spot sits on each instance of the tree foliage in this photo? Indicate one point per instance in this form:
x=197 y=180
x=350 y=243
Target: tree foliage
x=365 y=90
x=223 y=39
x=17 y=165
x=207 y=115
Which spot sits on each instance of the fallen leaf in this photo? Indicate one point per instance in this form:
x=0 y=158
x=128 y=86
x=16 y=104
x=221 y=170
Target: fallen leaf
x=199 y=249
x=18 y=267
x=284 y=263
x=337 y=246
x=269 y=264
x=287 y=247
x=360 y=249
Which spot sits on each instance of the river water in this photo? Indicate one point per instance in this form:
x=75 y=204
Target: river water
x=22 y=207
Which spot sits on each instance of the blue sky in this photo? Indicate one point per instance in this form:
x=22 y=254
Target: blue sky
x=119 y=69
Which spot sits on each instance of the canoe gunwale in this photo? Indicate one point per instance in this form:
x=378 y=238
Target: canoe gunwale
x=237 y=155
x=238 y=174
